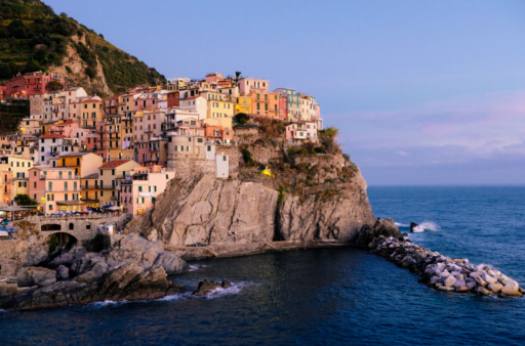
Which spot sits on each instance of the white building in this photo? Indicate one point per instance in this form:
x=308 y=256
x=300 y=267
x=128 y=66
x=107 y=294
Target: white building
x=300 y=132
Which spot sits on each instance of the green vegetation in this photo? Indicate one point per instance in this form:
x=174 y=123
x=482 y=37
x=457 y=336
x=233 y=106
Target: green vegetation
x=327 y=140
x=54 y=86
x=11 y=113
x=24 y=200
x=33 y=37
x=240 y=119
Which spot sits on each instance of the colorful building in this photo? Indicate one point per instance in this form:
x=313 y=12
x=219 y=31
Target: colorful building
x=109 y=175
x=138 y=193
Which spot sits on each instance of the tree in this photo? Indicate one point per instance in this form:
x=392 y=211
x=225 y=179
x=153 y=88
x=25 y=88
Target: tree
x=54 y=85
x=327 y=139
x=24 y=200
x=238 y=75
x=240 y=119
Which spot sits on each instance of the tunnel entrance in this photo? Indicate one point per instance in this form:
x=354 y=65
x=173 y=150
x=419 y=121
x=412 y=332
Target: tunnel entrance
x=60 y=243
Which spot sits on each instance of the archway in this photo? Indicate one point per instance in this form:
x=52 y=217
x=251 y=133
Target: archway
x=60 y=243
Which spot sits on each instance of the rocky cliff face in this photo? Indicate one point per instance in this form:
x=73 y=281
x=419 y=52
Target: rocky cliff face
x=314 y=201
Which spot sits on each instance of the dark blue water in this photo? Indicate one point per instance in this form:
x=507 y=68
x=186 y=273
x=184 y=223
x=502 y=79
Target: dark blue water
x=332 y=296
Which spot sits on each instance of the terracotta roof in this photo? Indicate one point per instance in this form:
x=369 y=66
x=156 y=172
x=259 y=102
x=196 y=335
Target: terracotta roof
x=114 y=164
x=91 y=176
x=50 y=136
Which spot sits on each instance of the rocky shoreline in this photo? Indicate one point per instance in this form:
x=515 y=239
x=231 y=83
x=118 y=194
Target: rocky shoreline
x=442 y=272
x=134 y=268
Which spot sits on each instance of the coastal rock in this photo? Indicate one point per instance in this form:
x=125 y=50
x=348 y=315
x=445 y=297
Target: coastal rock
x=171 y=263
x=381 y=227
x=205 y=287
x=202 y=216
x=30 y=276
x=62 y=272
x=134 y=268
x=443 y=273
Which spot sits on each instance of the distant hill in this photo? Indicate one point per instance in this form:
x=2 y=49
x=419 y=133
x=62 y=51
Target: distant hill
x=33 y=37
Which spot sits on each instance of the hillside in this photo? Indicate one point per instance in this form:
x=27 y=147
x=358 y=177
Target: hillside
x=33 y=37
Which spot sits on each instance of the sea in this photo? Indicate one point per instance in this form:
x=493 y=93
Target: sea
x=340 y=296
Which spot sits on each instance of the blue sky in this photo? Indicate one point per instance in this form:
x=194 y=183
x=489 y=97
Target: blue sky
x=423 y=91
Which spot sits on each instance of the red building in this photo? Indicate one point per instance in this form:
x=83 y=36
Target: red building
x=29 y=84
x=173 y=99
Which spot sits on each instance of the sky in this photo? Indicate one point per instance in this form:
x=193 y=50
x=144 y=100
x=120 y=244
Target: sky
x=423 y=92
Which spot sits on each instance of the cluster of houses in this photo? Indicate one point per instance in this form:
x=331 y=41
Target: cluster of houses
x=76 y=151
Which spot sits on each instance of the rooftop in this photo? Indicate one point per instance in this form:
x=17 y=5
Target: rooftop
x=114 y=164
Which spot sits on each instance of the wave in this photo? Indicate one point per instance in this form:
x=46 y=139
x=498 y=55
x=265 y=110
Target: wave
x=401 y=225
x=234 y=288
x=107 y=303
x=196 y=267
x=426 y=226
x=174 y=297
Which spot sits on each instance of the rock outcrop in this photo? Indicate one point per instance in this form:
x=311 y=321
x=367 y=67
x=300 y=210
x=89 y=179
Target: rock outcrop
x=134 y=268
x=205 y=216
x=206 y=287
x=315 y=196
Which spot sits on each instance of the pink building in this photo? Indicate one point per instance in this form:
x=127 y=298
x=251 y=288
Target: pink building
x=247 y=85
x=300 y=132
x=65 y=128
x=139 y=193
x=36 y=185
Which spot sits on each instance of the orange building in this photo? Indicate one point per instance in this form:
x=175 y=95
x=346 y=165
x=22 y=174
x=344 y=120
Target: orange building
x=267 y=104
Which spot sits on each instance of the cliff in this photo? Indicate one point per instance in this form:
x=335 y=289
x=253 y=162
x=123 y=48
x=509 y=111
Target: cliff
x=33 y=37
x=315 y=197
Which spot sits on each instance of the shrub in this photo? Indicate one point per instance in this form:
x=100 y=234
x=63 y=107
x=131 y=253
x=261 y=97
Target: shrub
x=327 y=139
x=240 y=119
x=24 y=200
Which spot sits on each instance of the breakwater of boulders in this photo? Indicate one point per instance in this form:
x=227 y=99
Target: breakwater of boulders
x=441 y=272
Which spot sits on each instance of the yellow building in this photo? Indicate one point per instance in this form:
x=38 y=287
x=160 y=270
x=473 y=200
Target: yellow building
x=91 y=111
x=83 y=163
x=109 y=175
x=220 y=113
x=243 y=105
x=17 y=181
x=90 y=190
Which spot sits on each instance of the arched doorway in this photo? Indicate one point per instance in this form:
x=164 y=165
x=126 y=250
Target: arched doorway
x=59 y=243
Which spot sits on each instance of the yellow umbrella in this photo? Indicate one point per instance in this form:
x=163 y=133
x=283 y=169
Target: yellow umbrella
x=267 y=172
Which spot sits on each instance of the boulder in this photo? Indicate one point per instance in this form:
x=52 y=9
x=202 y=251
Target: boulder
x=62 y=272
x=495 y=287
x=449 y=281
x=96 y=272
x=511 y=288
x=30 y=276
x=171 y=263
x=206 y=287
